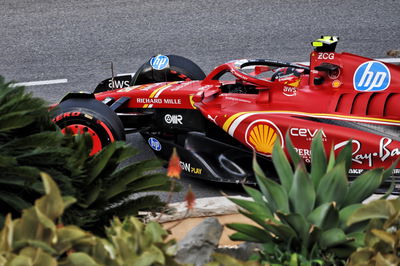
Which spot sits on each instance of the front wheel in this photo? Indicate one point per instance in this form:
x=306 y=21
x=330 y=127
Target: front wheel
x=89 y=116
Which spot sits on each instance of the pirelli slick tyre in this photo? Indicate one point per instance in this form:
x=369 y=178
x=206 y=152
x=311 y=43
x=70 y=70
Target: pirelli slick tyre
x=89 y=116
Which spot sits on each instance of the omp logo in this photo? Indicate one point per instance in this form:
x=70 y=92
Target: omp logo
x=371 y=76
x=159 y=62
x=173 y=119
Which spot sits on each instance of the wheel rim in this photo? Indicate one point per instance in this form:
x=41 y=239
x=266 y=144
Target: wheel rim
x=76 y=129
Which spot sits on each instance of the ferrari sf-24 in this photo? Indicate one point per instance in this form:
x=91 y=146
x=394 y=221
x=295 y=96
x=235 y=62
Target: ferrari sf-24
x=217 y=121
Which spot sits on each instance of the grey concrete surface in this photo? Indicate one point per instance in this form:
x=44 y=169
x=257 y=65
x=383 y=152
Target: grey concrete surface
x=76 y=40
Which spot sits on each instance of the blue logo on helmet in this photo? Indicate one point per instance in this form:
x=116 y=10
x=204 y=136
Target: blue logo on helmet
x=154 y=144
x=371 y=76
x=159 y=62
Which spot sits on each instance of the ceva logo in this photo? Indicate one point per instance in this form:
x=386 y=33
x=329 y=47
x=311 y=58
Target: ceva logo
x=371 y=76
x=159 y=62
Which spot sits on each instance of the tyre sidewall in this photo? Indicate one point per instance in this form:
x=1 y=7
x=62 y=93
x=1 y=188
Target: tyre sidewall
x=92 y=114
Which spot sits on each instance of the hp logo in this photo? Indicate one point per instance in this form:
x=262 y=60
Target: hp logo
x=159 y=62
x=154 y=144
x=371 y=76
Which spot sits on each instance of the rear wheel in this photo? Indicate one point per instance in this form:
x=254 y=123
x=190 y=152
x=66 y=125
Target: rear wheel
x=180 y=68
x=90 y=116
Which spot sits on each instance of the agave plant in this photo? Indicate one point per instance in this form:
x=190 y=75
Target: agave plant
x=307 y=212
x=30 y=143
x=37 y=238
x=382 y=241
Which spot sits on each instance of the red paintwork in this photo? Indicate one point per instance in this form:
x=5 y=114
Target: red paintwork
x=275 y=111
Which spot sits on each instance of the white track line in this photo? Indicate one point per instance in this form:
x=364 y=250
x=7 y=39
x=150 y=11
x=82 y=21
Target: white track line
x=42 y=82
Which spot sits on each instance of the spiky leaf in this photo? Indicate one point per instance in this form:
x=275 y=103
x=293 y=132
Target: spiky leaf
x=302 y=194
x=333 y=237
x=333 y=186
x=363 y=186
x=282 y=166
x=318 y=159
x=296 y=159
x=325 y=216
x=275 y=194
x=251 y=231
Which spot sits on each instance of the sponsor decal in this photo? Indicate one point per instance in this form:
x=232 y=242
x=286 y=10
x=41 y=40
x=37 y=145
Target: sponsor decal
x=356 y=171
x=305 y=154
x=67 y=114
x=157 y=92
x=159 y=62
x=326 y=56
x=261 y=135
x=214 y=119
x=384 y=152
x=158 y=101
x=307 y=133
x=172 y=101
x=289 y=91
x=336 y=83
x=173 y=119
x=188 y=168
x=154 y=144
x=118 y=84
x=395 y=171
x=148 y=100
x=371 y=76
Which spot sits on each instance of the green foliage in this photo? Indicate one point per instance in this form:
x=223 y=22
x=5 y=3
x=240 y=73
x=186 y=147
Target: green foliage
x=38 y=239
x=30 y=143
x=306 y=213
x=382 y=240
x=226 y=260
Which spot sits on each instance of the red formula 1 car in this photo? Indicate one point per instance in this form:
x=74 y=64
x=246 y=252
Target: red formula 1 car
x=217 y=121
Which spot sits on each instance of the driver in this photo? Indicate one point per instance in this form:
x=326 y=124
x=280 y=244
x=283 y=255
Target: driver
x=288 y=76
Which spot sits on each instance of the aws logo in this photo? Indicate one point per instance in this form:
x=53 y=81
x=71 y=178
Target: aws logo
x=262 y=135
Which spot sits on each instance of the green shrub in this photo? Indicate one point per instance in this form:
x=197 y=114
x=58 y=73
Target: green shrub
x=30 y=143
x=37 y=238
x=307 y=212
x=382 y=241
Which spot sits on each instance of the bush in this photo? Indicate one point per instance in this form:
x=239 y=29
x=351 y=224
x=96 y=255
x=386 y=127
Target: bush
x=382 y=241
x=306 y=213
x=30 y=143
x=37 y=238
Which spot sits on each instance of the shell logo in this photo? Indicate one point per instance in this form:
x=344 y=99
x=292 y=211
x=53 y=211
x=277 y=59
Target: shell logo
x=262 y=135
